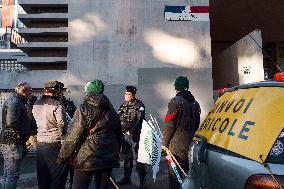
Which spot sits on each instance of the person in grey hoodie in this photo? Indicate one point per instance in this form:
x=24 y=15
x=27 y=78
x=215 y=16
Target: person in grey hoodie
x=49 y=113
x=15 y=132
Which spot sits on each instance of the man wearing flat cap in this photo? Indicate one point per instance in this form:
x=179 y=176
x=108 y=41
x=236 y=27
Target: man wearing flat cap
x=131 y=113
x=49 y=113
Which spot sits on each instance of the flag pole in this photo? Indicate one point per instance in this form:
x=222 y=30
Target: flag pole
x=173 y=165
x=175 y=160
x=157 y=128
x=115 y=185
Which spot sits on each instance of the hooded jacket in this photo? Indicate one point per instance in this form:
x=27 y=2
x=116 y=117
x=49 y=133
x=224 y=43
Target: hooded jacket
x=101 y=148
x=181 y=122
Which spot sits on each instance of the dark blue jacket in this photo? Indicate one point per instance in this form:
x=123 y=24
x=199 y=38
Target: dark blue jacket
x=16 y=127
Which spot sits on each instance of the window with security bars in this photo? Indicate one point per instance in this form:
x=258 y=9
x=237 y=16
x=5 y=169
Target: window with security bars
x=11 y=65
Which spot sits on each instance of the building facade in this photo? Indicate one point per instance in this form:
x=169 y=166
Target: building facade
x=121 y=42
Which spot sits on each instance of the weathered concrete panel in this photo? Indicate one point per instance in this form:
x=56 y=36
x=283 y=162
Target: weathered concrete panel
x=115 y=93
x=127 y=27
x=240 y=63
x=250 y=58
x=125 y=42
x=8 y=80
x=156 y=86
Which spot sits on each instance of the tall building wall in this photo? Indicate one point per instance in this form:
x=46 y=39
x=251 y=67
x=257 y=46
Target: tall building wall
x=126 y=42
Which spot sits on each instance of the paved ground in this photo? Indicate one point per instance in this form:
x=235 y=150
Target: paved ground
x=28 y=178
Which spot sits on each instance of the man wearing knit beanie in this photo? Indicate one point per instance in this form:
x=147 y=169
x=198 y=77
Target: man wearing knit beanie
x=181 y=122
x=95 y=86
x=181 y=83
x=99 y=153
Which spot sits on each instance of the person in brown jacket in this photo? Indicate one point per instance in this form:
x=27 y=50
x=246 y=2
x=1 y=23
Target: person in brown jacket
x=181 y=122
x=99 y=152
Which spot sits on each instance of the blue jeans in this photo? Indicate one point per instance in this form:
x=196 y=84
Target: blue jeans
x=12 y=155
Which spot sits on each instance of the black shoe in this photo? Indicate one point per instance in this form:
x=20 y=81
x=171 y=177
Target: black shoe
x=123 y=181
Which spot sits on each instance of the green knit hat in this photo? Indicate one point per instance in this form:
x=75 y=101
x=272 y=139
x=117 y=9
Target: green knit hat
x=95 y=86
x=181 y=83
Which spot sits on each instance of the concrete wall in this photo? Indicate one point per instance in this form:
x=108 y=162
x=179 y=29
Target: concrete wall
x=126 y=42
x=240 y=63
x=157 y=87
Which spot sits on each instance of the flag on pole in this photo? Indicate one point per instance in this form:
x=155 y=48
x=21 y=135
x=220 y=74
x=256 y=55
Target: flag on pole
x=186 y=13
x=174 y=167
x=150 y=148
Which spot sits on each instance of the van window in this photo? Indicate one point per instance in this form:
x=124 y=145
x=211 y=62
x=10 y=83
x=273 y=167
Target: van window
x=276 y=154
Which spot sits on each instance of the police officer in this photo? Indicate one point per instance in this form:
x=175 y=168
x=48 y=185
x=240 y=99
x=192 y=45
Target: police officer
x=131 y=113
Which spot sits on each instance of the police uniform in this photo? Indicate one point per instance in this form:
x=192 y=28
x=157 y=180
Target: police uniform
x=131 y=116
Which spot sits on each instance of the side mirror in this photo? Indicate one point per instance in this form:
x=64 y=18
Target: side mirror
x=202 y=150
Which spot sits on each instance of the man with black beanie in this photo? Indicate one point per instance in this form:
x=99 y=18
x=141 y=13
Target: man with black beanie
x=181 y=122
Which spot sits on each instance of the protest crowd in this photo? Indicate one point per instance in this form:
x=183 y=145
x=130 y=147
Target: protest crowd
x=78 y=145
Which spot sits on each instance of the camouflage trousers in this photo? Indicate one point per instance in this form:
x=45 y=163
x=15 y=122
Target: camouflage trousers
x=129 y=153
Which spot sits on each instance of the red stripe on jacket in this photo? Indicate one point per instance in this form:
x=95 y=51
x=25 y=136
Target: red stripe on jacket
x=170 y=117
